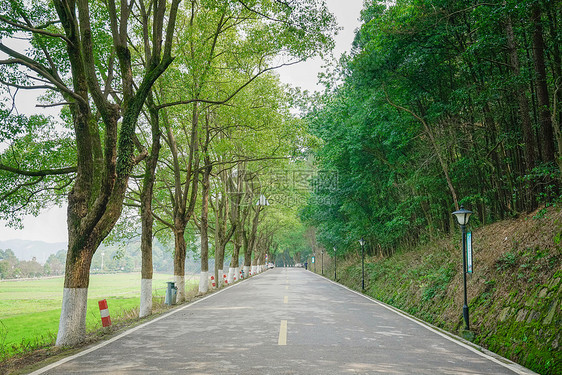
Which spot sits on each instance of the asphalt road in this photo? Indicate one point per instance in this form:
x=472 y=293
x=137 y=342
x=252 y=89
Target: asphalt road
x=284 y=321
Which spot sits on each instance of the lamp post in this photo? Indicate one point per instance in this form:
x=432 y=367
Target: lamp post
x=322 y=254
x=463 y=216
x=362 y=242
x=335 y=265
x=261 y=203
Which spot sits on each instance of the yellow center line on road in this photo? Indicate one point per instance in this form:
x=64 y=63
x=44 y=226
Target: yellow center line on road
x=282 y=333
x=286 y=299
x=287 y=287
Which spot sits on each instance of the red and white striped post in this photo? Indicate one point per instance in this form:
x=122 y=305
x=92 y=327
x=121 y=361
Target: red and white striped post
x=104 y=312
x=213 y=281
x=224 y=279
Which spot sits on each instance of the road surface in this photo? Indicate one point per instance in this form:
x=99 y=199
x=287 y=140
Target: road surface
x=284 y=321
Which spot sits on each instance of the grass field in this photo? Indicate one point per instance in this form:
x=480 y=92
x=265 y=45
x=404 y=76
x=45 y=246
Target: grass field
x=30 y=309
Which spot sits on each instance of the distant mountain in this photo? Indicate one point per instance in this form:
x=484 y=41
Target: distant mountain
x=26 y=250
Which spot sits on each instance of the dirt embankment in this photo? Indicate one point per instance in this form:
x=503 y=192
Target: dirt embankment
x=514 y=294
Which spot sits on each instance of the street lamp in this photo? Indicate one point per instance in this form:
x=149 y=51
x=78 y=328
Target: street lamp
x=362 y=242
x=322 y=252
x=463 y=216
x=335 y=265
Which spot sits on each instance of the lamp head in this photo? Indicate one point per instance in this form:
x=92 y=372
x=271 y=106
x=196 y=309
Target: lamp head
x=362 y=242
x=262 y=201
x=462 y=215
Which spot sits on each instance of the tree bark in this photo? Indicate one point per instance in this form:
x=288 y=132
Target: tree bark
x=234 y=261
x=179 y=260
x=205 y=192
x=547 y=133
x=146 y=215
x=222 y=233
x=183 y=199
x=251 y=241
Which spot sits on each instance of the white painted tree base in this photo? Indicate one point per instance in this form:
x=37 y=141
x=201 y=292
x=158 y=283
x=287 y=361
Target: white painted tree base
x=204 y=282
x=237 y=274
x=72 y=324
x=145 y=298
x=220 y=281
x=180 y=284
x=230 y=277
x=254 y=270
x=246 y=271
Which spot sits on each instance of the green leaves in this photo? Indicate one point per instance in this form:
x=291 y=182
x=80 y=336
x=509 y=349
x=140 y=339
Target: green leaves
x=429 y=104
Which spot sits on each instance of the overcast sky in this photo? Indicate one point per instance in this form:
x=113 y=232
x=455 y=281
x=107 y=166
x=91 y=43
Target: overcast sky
x=50 y=226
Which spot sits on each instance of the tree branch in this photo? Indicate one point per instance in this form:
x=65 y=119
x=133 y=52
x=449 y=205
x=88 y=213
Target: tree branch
x=224 y=101
x=44 y=172
x=34 y=29
x=18 y=58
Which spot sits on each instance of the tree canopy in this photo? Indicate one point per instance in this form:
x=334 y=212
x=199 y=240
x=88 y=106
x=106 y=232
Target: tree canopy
x=442 y=103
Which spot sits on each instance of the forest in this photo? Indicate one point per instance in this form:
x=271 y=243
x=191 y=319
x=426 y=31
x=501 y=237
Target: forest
x=171 y=123
x=441 y=104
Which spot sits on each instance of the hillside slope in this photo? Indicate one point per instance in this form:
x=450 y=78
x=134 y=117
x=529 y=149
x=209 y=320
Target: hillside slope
x=515 y=292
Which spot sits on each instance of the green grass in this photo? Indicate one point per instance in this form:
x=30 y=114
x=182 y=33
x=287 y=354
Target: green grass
x=30 y=309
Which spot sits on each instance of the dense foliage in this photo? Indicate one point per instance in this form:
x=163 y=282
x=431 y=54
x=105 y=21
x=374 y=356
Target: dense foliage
x=443 y=103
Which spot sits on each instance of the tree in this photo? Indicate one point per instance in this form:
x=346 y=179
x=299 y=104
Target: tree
x=73 y=57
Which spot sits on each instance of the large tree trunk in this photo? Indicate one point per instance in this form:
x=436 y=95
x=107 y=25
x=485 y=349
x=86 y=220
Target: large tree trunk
x=72 y=324
x=179 y=260
x=146 y=254
x=234 y=270
x=219 y=263
x=222 y=237
x=251 y=241
x=220 y=233
x=183 y=199
x=531 y=151
x=204 y=279
x=547 y=133
x=553 y=12
x=146 y=216
x=247 y=261
x=236 y=184
x=103 y=168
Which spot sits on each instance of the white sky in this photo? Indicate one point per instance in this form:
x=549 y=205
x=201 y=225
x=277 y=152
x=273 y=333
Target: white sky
x=50 y=226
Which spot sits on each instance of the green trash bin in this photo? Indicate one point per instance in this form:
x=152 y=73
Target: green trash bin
x=171 y=293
